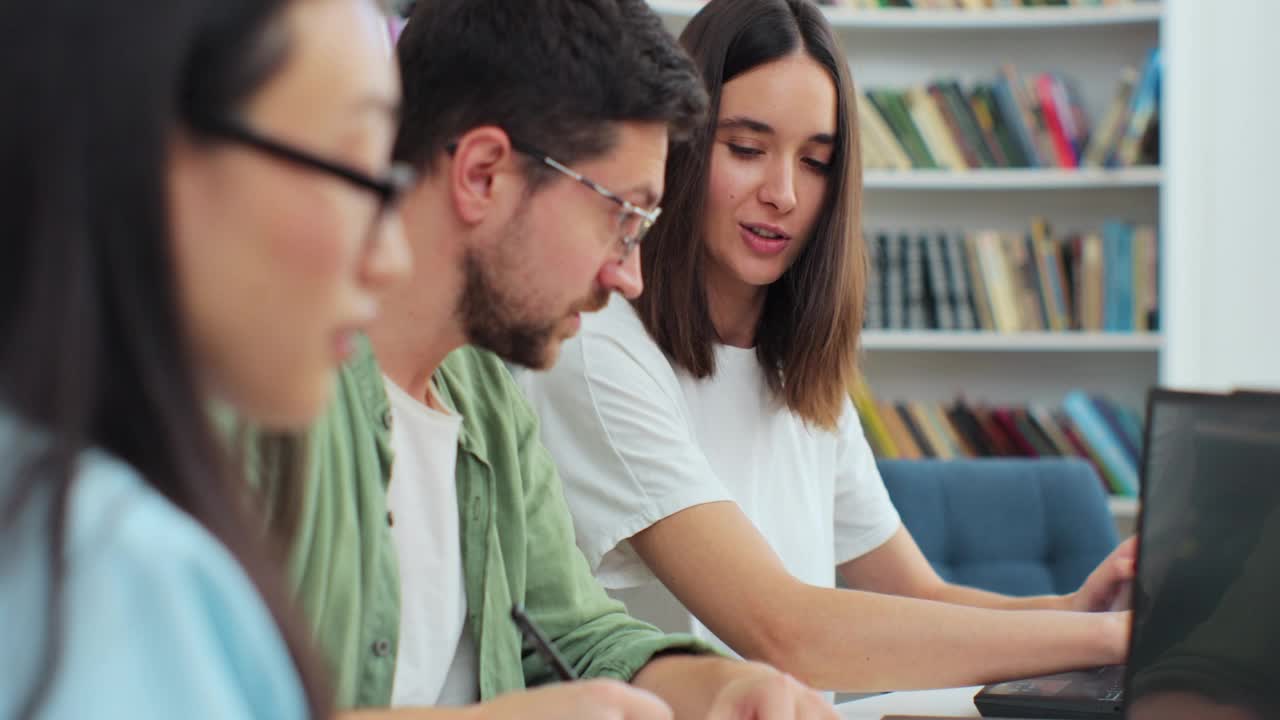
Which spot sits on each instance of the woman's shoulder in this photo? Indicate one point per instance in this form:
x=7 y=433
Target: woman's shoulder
x=149 y=596
x=612 y=353
x=616 y=335
x=118 y=526
x=617 y=319
x=113 y=513
x=606 y=377
x=115 y=516
x=101 y=485
x=158 y=618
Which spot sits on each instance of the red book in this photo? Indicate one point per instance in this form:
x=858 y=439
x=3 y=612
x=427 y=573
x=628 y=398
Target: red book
x=1005 y=418
x=999 y=441
x=1053 y=119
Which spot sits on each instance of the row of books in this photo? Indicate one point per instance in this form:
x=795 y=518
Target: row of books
x=1014 y=282
x=1106 y=434
x=1011 y=122
x=972 y=4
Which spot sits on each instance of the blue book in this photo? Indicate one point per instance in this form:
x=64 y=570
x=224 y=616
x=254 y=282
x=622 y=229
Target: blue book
x=1058 y=293
x=1132 y=424
x=1144 y=107
x=1095 y=432
x=1015 y=120
x=1112 y=414
x=1117 y=276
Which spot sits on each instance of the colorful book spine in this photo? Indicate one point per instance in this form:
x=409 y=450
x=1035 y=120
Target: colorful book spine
x=1117 y=270
x=878 y=435
x=1017 y=117
x=939 y=290
x=1056 y=120
x=1142 y=113
x=1094 y=431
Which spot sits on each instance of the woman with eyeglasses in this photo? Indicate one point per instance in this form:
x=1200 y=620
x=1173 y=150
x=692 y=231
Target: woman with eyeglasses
x=195 y=222
x=717 y=473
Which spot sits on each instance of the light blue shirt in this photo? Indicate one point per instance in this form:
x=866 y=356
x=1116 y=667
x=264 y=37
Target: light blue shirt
x=160 y=621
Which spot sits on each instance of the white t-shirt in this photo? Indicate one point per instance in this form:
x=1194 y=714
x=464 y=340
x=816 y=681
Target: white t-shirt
x=637 y=440
x=436 y=658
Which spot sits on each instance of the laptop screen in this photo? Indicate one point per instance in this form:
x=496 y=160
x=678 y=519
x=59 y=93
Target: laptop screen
x=1206 y=638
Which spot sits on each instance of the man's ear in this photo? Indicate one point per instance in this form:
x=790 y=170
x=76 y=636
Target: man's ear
x=481 y=172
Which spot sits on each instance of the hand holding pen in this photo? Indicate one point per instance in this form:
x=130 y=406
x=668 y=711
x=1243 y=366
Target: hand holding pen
x=586 y=700
x=542 y=644
x=757 y=691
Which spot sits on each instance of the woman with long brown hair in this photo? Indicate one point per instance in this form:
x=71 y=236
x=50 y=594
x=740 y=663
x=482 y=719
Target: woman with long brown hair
x=716 y=470
x=195 y=222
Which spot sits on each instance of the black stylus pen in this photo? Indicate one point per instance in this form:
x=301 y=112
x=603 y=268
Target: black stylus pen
x=541 y=643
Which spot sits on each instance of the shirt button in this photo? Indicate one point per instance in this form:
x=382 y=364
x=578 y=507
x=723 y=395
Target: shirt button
x=381 y=648
x=386 y=419
x=391 y=519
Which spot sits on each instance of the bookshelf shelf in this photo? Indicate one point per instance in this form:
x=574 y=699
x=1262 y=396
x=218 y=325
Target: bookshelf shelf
x=933 y=340
x=1018 y=179
x=994 y=19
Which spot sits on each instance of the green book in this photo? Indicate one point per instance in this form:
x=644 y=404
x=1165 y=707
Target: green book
x=968 y=124
x=893 y=108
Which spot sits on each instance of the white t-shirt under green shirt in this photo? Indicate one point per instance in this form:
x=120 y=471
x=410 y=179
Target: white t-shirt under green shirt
x=436 y=658
x=637 y=440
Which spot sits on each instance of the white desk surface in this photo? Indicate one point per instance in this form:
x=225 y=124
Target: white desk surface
x=952 y=702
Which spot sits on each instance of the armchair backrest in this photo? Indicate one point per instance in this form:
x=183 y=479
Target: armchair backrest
x=1015 y=526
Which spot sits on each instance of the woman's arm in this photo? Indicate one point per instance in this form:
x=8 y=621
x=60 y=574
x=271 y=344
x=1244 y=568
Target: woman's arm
x=633 y=470
x=898 y=567
x=715 y=562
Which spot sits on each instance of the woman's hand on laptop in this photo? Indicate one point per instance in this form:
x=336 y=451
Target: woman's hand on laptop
x=1110 y=585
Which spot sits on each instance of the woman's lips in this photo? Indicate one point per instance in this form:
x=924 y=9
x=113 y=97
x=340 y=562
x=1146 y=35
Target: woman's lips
x=763 y=245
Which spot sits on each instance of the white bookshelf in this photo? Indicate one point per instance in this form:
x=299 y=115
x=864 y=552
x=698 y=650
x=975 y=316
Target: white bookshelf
x=903 y=47
x=936 y=341
x=1014 y=179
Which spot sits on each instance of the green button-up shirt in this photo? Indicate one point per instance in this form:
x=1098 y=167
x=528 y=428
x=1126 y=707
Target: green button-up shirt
x=516 y=535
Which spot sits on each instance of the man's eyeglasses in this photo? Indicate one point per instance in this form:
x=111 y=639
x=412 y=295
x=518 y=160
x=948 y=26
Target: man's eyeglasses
x=388 y=189
x=633 y=221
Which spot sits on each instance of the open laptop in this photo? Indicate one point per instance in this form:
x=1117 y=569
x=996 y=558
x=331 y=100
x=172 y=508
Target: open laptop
x=1206 y=599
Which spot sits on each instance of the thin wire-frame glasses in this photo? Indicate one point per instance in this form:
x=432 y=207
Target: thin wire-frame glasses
x=635 y=221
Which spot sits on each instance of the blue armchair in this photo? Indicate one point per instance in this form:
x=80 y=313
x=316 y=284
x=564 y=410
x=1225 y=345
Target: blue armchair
x=1015 y=526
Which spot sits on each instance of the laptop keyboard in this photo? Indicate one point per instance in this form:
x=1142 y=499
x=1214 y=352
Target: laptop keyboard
x=1115 y=693
x=1112 y=689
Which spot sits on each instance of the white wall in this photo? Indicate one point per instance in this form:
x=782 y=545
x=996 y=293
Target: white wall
x=1221 y=209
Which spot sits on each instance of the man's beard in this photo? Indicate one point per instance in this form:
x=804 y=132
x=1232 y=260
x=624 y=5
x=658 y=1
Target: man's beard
x=498 y=306
x=490 y=318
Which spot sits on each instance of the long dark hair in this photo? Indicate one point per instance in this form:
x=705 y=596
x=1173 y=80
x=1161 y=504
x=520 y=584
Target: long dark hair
x=808 y=333
x=93 y=349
